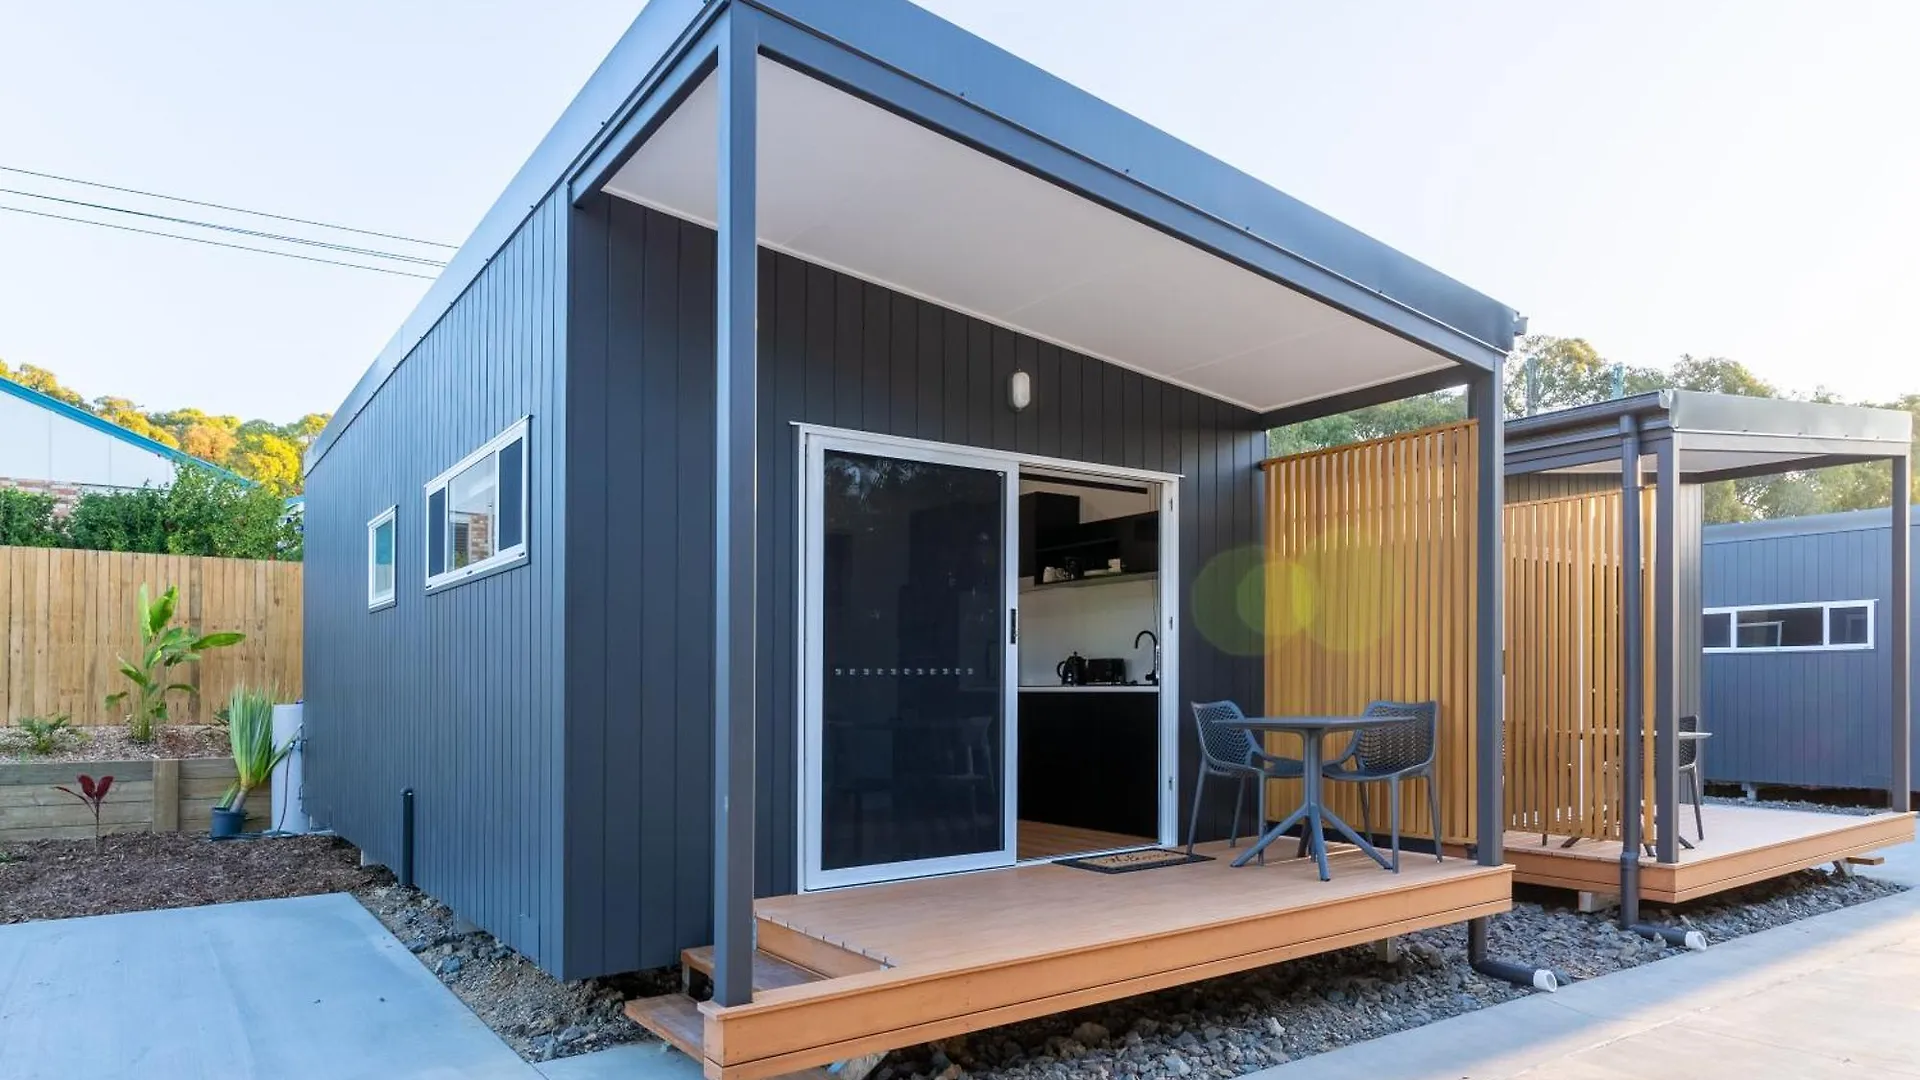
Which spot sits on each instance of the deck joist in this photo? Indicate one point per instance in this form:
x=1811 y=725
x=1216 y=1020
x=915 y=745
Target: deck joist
x=1743 y=845
x=951 y=955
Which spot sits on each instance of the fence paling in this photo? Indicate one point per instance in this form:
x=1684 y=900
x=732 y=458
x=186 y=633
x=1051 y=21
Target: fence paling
x=67 y=615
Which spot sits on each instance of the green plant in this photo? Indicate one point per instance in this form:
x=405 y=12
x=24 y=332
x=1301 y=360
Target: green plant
x=94 y=795
x=163 y=647
x=46 y=734
x=26 y=519
x=250 y=734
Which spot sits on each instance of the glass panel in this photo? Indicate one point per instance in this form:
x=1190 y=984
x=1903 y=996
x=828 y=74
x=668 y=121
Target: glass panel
x=1716 y=630
x=436 y=532
x=1769 y=628
x=510 y=480
x=1848 y=625
x=471 y=501
x=383 y=560
x=913 y=735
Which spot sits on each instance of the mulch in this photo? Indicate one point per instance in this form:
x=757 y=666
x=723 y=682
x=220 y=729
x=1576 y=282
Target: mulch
x=59 y=879
x=109 y=742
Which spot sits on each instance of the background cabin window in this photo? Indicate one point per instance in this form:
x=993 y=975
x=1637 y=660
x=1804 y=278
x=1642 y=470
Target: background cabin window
x=1845 y=624
x=380 y=534
x=476 y=511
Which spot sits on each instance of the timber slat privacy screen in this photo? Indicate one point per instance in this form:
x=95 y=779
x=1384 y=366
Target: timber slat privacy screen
x=66 y=615
x=1370 y=595
x=1565 y=666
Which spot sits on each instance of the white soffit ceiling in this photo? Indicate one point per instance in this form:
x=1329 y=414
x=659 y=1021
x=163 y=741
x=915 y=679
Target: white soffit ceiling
x=848 y=185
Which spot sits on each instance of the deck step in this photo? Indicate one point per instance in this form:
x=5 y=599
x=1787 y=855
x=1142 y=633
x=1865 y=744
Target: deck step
x=769 y=971
x=675 y=1018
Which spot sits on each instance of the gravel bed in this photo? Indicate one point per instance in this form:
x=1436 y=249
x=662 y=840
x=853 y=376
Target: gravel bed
x=60 y=879
x=109 y=742
x=1853 y=809
x=539 y=1016
x=1239 y=1023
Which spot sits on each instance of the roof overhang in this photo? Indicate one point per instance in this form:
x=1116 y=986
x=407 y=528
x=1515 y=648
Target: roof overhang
x=896 y=147
x=1714 y=436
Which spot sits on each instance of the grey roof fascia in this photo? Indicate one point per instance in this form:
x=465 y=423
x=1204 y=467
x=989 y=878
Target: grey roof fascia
x=1810 y=525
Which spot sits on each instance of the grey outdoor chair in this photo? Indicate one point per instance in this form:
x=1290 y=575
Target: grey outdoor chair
x=1689 y=767
x=1232 y=752
x=1401 y=747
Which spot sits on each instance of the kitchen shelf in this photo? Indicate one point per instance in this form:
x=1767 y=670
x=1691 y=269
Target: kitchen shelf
x=1083 y=582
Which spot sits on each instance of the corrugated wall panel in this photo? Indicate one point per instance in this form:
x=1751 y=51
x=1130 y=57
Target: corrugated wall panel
x=455 y=695
x=1817 y=719
x=835 y=351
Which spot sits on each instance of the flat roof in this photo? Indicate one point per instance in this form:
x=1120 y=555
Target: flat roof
x=915 y=65
x=1717 y=436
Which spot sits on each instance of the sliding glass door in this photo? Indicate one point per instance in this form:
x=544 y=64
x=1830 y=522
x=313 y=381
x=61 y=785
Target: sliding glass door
x=907 y=567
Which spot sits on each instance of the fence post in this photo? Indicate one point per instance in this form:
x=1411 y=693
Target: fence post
x=166 y=795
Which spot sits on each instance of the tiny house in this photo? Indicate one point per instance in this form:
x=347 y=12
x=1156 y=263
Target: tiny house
x=824 y=481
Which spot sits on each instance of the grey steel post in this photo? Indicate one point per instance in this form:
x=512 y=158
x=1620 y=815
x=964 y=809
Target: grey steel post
x=1632 y=669
x=735 y=576
x=1899 y=636
x=1485 y=405
x=1666 y=643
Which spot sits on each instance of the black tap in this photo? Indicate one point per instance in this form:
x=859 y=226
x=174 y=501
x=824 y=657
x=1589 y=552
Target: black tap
x=1153 y=677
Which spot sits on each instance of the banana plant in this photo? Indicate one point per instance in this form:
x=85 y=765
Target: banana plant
x=250 y=735
x=163 y=647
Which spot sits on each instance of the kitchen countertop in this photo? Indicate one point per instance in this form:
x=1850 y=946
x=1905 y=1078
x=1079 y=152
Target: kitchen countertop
x=1096 y=688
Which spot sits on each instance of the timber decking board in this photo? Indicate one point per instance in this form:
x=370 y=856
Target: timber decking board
x=770 y=972
x=972 y=950
x=1043 y=840
x=1743 y=844
x=673 y=1017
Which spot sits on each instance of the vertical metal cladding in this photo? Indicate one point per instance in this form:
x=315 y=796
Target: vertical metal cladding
x=838 y=351
x=1813 y=719
x=457 y=694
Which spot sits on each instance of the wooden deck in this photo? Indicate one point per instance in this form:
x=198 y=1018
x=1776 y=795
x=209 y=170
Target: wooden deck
x=1042 y=840
x=1744 y=844
x=912 y=961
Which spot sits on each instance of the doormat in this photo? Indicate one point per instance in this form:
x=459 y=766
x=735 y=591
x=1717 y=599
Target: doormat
x=1126 y=862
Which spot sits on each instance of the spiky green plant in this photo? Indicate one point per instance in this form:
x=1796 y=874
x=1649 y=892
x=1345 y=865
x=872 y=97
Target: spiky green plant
x=250 y=734
x=163 y=647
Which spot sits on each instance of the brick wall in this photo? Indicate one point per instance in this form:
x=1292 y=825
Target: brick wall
x=64 y=494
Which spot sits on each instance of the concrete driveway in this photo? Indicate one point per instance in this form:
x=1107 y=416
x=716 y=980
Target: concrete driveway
x=312 y=988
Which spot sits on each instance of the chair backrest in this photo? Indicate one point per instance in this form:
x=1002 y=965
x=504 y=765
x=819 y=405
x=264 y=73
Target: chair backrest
x=1222 y=745
x=1689 y=748
x=1405 y=739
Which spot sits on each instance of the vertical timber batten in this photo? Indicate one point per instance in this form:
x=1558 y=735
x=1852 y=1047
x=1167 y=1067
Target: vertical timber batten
x=1899 y=643
x=1485 y=403
x=734 y=506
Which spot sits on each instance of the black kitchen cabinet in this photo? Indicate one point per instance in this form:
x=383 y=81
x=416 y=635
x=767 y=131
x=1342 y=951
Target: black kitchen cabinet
x=1045 y=517
x=1090 y=758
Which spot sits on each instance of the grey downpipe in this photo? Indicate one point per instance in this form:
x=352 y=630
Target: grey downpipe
x=1518 y=974
x=1633 y=703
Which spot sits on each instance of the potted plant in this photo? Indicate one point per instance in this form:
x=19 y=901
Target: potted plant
x=250 y=734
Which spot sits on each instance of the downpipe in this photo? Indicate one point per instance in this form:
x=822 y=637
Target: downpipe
x=1527 y=978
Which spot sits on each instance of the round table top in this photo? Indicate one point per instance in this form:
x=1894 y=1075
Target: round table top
x=1310 y=723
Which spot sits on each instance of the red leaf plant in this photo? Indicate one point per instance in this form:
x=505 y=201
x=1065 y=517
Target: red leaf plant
x=93 y=793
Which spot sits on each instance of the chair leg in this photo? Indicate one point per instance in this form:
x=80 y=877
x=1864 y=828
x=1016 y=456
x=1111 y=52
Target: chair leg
x=1366 y=812
x=1699 y=827
x=1260 y=819
x=1393 y=819
x=1193 y=818
x=1433 y=813
x=1239 y=800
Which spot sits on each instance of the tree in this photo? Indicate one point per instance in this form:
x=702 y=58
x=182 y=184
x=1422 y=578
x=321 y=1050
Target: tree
x=208 y=514
x=26 y=519
x=1372 y=422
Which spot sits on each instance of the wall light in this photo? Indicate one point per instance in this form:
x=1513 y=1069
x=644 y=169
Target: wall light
x=1020 y=390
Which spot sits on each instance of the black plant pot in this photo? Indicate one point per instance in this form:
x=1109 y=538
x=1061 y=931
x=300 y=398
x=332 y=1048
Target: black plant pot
x=228 y=824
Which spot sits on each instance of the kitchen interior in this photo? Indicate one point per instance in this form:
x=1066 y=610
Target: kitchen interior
x=1089 y=666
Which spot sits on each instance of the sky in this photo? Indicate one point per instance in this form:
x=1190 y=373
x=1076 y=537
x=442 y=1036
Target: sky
x=1736 y=178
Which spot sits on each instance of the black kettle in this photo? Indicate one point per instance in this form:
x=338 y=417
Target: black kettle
x=1072 y=670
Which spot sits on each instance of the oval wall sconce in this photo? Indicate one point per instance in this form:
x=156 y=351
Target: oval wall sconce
x=1019 y=390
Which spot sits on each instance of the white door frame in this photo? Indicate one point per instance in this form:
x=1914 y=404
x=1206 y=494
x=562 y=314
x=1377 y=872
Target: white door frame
x=815 y=441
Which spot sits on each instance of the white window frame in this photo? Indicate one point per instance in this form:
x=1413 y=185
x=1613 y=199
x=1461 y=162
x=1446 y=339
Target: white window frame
x=1826 y=627
x=503 y=559
x=375 y=601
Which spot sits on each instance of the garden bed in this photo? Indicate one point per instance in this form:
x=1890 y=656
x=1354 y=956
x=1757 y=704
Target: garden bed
x=60 y=879
x=109 y=742
x=159 y=795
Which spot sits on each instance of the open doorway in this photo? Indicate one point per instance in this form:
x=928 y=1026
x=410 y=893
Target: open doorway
x=1090 y=665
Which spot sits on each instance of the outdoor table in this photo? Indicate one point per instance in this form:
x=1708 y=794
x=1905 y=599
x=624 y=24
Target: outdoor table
x=1313 y=731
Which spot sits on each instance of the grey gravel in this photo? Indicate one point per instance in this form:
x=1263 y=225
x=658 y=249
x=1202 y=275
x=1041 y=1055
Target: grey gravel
x=539 y=1016
x=1796 y=804
x=1240 y=1023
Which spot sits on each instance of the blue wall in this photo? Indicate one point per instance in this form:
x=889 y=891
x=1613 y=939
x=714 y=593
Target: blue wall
x=1812 y=719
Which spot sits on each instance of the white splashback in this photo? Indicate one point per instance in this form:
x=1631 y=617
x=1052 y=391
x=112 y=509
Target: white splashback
x=1092 y=620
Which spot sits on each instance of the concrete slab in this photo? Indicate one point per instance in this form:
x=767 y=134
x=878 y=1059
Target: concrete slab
x=312 y=988
x=1817 y=998
x=635 y=1061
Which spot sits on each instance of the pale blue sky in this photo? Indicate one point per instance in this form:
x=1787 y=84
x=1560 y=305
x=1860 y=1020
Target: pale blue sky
x=1738 y=178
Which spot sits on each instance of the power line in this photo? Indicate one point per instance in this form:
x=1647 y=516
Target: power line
x=215 y=243
x=344 y=249
x=221 y=206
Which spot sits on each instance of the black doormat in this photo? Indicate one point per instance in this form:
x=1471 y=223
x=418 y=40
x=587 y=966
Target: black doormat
x=1126 y=862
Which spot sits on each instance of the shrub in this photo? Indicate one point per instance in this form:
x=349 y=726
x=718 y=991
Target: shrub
x=26 y=519
x=250 y=734
x=163 y=647
x=94 y=795
x=120 y=521
x=45 y=734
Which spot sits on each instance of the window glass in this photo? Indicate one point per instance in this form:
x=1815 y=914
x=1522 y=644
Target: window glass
x=510 y=477
x=1716 y=630
x=472 y=499
x=1849 y=625
x=1775 y=628
x=380 y=561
